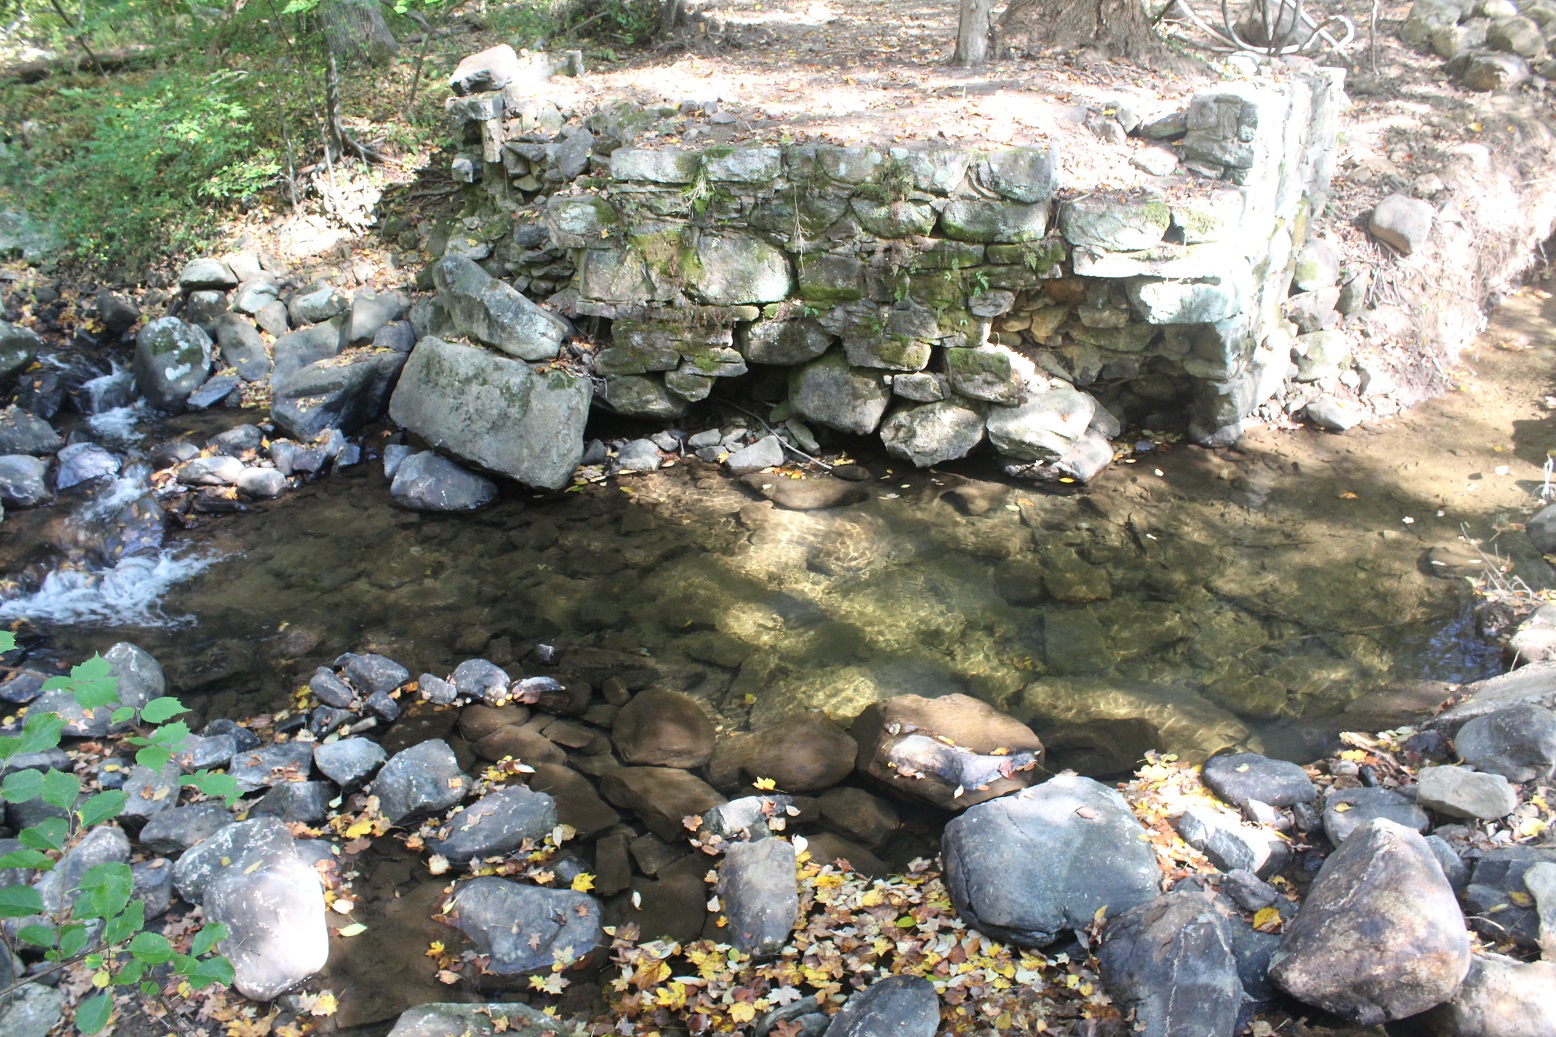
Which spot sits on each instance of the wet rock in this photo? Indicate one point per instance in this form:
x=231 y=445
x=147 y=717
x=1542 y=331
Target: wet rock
x=216 y=470
x=24 y=433
x=663 y=729
x=497 y=823
x=344 y=393
x=1044 y=427
x=427 y=482
x=1500 y=997
x=813 y=493
x=1231 y=844
x=436 y=690
x=1346 y=810
x=494 y=412
x=525 y=928
x=175 y=830
x=759 y=895
x=640 y=455
x=1461 y=792
x=481 y=681
x=981 y=754
x=1170 y=960
x=660 y=796
x=859 y=815
x=301 y=801
x=330 y=689
x=1402 y=222
x=372 y=673
x=1238 y=778
x=272 y=764
x=1380 y=935
x=450 y=1019
x=420 y=782
x=1031 y=865
x=744 y=820
x=261 y=483
x=22 y=481
x=577 y=803
x=901 y=1006
x=1498 y=900
x=83 y=462
x=1518 y=743
x=172 y=360
x=802 y=753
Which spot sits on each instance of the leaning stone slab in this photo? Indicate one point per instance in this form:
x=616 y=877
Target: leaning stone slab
x=494 y=313
x=1029 y=866
x=498 y=413
x=1380 y=935
x=1534 y=684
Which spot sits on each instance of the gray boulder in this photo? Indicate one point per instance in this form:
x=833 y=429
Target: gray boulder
x=1239 y=778
x=1044 y=427
x=370 y=311
x=174 y=831
x=297 y=349
x=24 y=433
x=271 y=764
x=1171 y=961
x=373 y=673
x=1031 y=865
x=1541 y=529
x=1346 y=810
x=898 y=1006
x=243 y=348
x=491 y=69
x=1232 y=844
x=18 y=347
x=830 y=392
x=420 y=782
x=784 y=343
x=261 y=483
x=494 y=313
x=172 y=360
x=84 y=462
x=759 y=895
x=22 y=481
x=480 y=680
x=498 y=413
x=1518 y=743
x=317 y=306
x=427 y=482
x=525 y=928
x=1380 y=935
x=933 y=433
x=497 y=823
x=346 y=393
x=1498 y=899
x=31 y=1010
x=766 y=452
x=1500 y=997
x=1461 y=792
x=205 y=274
x=350 y=762
x=1402 y=222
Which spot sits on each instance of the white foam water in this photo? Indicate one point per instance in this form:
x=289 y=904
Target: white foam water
x=129 y=593
x=118 y=426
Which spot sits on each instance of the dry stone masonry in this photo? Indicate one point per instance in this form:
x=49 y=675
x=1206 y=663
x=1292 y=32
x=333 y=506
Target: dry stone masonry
x=933 y=297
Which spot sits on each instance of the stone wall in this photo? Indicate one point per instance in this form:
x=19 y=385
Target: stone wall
x=933 y=296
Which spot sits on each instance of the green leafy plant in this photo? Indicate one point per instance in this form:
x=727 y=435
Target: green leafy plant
x=100 y=924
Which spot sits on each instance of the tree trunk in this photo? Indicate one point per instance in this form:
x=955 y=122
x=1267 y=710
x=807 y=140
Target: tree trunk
x=1118 y=28
x=972 y=33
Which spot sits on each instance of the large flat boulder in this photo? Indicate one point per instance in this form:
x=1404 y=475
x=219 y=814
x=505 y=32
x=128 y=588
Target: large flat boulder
x=495 y=412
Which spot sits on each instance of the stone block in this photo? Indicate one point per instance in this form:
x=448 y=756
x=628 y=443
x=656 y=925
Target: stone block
x=659 y=166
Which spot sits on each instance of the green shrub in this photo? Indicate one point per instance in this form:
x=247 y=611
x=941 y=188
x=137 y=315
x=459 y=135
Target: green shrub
x=103 y=928
x=144 y=169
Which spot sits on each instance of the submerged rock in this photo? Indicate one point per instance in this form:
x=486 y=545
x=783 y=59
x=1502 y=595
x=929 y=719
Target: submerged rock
x=953 y=751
